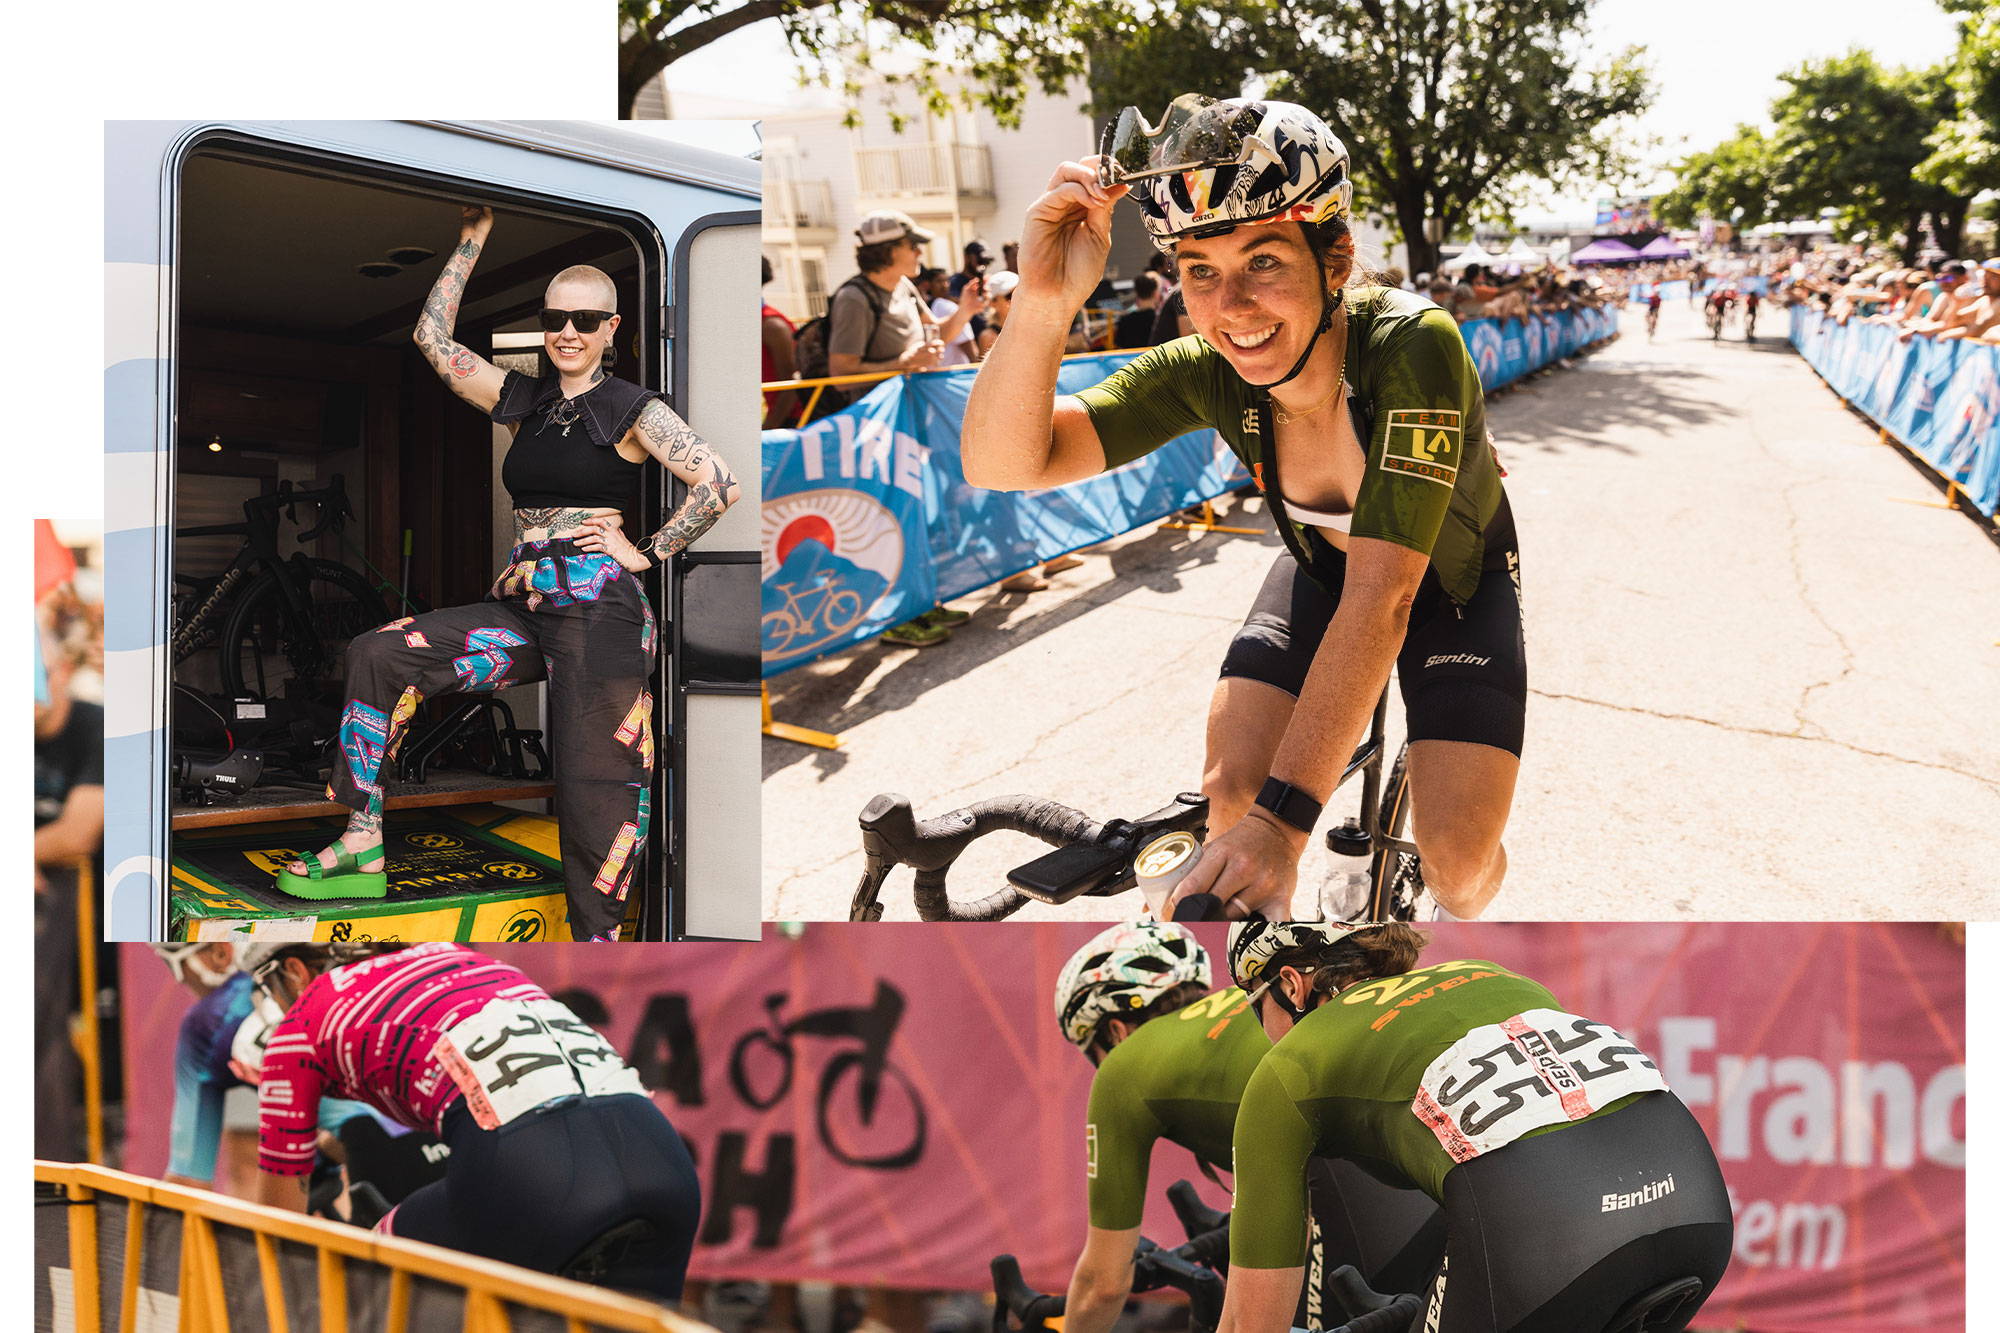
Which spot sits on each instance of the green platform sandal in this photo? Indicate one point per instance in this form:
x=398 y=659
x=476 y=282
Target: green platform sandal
x=345 y=878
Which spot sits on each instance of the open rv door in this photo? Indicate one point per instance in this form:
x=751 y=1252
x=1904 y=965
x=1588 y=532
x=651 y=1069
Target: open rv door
x=244 y=355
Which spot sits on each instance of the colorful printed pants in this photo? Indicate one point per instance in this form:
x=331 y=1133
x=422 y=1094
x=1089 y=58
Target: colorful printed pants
x=557 y=613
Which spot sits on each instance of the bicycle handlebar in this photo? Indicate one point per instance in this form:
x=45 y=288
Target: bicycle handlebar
x=1089 y=858
x=1153 y=1267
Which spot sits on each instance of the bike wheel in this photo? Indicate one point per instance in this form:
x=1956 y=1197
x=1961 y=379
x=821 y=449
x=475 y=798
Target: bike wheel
x=263 y=652
x=1396 y=877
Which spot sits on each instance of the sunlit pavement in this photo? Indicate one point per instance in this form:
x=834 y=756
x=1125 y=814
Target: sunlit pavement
x=1762 y=685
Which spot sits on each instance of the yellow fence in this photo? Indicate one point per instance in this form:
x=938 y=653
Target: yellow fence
x=309 y=1273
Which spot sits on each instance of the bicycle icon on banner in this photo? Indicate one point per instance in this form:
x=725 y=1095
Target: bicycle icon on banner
x=810 y=615
x=751 y=1074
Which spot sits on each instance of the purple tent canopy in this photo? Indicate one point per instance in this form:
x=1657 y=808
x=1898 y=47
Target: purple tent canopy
x=1604 y=252
x=1664 y=247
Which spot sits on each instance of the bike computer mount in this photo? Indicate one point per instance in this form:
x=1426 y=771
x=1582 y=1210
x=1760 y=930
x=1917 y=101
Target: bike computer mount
x=1105 y=866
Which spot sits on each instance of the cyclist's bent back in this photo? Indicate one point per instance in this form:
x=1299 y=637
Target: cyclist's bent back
x=554 y=1142
x=1572 y=1180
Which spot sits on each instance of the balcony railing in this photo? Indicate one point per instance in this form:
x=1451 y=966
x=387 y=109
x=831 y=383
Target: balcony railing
x=924 y=169
x=797 y=204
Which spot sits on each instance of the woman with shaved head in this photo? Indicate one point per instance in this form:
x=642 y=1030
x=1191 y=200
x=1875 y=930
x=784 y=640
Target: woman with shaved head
x=567 y=608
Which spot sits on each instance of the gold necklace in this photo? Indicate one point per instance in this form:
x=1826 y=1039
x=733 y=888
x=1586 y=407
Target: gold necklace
x=1339 y=382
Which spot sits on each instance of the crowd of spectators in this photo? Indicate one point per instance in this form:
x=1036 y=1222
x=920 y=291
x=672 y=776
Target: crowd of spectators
x=1955 y=299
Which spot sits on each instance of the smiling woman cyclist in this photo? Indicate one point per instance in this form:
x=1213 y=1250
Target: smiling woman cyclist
x=1172 y=1060
x=1572 y=1181
x=1359 y=413
x=567 y=608
x=559 y=1160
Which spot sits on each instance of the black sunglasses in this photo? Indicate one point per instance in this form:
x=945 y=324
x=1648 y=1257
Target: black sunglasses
x=586 y=321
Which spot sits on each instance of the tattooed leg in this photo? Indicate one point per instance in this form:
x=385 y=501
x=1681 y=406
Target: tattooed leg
x=362 y=835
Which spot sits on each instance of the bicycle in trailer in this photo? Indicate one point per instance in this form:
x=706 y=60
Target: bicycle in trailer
x=1099 y=859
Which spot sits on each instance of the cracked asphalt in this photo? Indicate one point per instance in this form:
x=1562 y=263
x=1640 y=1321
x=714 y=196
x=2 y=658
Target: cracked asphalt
x=1764 y=675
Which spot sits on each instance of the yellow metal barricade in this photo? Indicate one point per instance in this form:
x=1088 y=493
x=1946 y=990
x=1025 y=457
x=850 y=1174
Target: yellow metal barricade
x=491 y=1290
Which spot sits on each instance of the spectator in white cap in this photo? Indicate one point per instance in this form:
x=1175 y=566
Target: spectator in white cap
x=877 y=320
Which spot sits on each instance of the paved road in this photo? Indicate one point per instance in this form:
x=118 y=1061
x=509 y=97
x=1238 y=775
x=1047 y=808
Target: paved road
x=1762 y=685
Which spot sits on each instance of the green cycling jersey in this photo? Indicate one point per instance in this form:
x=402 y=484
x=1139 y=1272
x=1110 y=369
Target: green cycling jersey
x=1430 y=481
x=1407 y=1076
x=1179 y=1077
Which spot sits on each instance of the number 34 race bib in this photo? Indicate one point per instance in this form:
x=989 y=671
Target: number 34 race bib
x=1543 y=1067
x=513 y=1055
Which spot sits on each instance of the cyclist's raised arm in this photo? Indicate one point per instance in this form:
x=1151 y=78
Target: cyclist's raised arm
x=1018 y=436
x=466 y=373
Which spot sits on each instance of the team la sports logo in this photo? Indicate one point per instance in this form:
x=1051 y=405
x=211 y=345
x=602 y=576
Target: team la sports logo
x=829 y=556
x=1424 y=444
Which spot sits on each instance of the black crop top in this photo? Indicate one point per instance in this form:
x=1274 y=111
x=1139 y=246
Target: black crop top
x=575 y=464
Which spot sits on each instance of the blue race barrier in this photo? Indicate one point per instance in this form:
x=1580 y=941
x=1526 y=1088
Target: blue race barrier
x=1940 y=399
x=868 y=520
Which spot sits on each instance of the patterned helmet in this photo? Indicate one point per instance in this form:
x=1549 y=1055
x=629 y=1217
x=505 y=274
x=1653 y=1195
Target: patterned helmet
x=1212 y=165
x=1121 y=971
x=181 y=960
x=255 y=958
x=1253 y=943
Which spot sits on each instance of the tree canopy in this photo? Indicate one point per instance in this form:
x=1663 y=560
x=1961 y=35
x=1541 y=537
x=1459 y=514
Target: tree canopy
x=989 y=52
x=1449 y=107
x=1847 y=134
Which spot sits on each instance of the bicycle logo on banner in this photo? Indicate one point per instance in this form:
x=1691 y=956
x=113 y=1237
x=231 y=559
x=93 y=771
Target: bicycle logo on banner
x=855 y=1124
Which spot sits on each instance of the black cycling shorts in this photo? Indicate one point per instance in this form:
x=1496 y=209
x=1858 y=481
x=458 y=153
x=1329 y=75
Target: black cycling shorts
x=1463 y=670
x=1560 y=1232
x=1393 y=1237
x=539 y=1189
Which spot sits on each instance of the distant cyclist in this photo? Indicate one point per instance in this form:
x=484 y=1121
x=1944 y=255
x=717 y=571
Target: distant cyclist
x=1750 y=316
x=1400 y=548
x=1172 y=1061
x=559 y=1160
x=1653 y=311
x=1572 y=1180
x=206 y=1069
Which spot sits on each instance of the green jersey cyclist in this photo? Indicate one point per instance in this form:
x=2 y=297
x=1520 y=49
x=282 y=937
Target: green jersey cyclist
x=1172 y=1060
x=1573 y=1182
x=1360 y=414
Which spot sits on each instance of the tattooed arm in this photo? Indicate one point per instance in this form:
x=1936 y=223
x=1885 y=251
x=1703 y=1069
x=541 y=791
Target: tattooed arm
x=712 y=488
x=466 y=373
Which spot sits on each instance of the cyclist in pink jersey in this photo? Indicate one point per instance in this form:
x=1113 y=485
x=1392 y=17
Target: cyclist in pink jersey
x=559 y=1159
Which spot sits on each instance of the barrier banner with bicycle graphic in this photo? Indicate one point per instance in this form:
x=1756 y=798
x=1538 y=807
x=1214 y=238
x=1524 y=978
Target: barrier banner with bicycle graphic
x=1941 y=399
x=868 y=520
x=1505 y=350
x=868 y=1106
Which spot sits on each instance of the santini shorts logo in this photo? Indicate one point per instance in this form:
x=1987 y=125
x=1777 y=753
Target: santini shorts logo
x=1659 y=1189
x=1457 y=659
x=1424 y=444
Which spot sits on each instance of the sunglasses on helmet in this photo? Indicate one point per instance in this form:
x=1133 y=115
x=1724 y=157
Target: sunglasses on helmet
x=586 y=321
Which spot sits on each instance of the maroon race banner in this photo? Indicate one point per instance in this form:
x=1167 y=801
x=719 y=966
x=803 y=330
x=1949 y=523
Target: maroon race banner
x=893 y=1105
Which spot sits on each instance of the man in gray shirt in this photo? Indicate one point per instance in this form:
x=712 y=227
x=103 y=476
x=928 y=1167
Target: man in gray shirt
x=878 y=321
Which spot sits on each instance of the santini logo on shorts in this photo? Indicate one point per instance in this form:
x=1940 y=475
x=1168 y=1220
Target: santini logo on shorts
x=1659 y=1189
x=1424 y=444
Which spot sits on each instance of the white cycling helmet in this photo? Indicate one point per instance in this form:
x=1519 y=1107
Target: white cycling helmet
x=1209 y=166
x=1253 y=943
x=1121 y=971
x=246 y=1048
x=182 y=959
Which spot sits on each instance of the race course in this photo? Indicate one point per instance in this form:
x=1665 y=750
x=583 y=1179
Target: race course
x=1762 y=684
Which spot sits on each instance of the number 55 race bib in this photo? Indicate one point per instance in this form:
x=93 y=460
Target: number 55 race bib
x=1543 y=1067
x=513 y=1055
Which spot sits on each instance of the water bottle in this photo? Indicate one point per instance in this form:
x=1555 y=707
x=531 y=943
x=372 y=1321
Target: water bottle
x=1343 y=894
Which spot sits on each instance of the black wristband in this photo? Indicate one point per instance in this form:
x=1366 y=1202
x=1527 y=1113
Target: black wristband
x=1290 y=804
